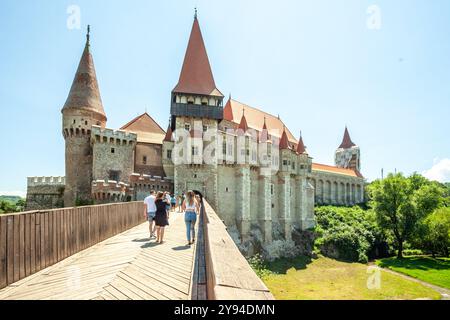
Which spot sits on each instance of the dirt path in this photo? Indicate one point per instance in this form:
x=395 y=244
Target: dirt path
x=445 y=293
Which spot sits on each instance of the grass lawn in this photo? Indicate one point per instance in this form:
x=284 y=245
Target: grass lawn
x=434 y=271
x=324 y=278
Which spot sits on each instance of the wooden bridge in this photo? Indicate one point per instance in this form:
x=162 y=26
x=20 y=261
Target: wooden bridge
x=103 y=252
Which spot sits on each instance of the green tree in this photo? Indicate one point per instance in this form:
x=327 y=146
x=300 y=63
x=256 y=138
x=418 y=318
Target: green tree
x=434 y=233
x=400 y=203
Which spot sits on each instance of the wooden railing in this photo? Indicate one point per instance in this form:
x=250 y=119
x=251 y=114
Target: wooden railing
x=34 y=240
x=228 y=274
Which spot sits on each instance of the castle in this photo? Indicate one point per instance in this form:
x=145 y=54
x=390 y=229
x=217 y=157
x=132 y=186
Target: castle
x=245 y=162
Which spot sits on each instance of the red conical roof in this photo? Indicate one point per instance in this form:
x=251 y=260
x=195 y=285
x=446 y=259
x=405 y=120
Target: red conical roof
x=168 y=136
x=196 y=76
x=284 y=142
x=301 y=146
x=243 y=124
x=346 y=141
x=264 y=132
x=84 y=93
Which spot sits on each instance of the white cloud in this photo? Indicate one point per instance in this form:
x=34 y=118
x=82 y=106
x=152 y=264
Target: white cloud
x=13 y=193
x=440 y=171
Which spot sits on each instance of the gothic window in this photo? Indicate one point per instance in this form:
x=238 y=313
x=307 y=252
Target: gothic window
x=113 y=150
x=144 y=159
x=169 y=154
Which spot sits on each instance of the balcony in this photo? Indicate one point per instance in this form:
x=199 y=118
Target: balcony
x=195 y=110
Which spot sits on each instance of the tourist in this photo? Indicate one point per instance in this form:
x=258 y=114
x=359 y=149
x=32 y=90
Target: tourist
x=161 y=216
x=180 y=202
x=167 y=197
x=150 y=212
x=173 y=202
x=190 y=207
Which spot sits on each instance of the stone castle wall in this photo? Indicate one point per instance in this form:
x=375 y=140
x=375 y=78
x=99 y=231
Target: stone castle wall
x=45 y=193
x=152 y=164
x=113 y=151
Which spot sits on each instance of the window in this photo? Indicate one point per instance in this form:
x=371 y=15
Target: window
x=169 y=154
x=144 y=159
x=247 y=152
x=205 y=128
x=273 y=206
x=226 y=189
x=85 y=122
x=230 y=149
x=195 y=151
x=224 y=148
x=114 y=175
x=293 y=165
x=195 y=176
x=242 y=152
x=253 y=155
x=187 y=127
x=271 y=190
x=284 y=162
x=113 y=150
x=74 y=121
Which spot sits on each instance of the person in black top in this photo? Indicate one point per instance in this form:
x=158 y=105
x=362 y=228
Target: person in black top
x=161 y=219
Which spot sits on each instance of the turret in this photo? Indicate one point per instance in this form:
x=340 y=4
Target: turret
x=82 y=110
x=348 y=154
x=196 y=94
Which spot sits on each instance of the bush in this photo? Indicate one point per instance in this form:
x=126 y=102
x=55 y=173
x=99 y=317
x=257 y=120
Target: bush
x=412 y=252
x=259 y=266
x=349 y=234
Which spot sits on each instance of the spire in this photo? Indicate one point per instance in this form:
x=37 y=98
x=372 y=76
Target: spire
x=196 y=75
x=284 y=143
x=243 y=124
x=301 y=149
x=168 y=136
x=264 y=132
x=347 y=142
x=84 y=93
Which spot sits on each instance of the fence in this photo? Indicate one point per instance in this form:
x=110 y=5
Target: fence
x=32 y=241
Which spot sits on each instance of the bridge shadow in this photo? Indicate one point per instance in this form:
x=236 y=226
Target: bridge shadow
x=179 y=248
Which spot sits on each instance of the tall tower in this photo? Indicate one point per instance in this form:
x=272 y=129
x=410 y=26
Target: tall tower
x=197 y=108
x=83 y=108
x=348 y=154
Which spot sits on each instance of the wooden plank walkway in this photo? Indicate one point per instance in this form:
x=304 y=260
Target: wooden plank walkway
x=125 y=267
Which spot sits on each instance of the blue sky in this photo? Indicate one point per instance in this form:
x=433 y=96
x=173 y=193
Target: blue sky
x=316 y=63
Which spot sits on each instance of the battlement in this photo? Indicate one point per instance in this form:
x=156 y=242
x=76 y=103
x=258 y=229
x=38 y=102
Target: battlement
x=138 y=178
x=46 y=181
x=109 y=185
x=112 y=136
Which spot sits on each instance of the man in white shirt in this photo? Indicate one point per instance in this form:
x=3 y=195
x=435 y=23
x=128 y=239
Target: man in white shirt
x=150 y=212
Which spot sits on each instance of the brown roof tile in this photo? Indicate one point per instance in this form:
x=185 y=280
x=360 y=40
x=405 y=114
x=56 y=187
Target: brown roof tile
x=333 y=169
x=347 y=142
x=196 y=76
x=85 y=93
